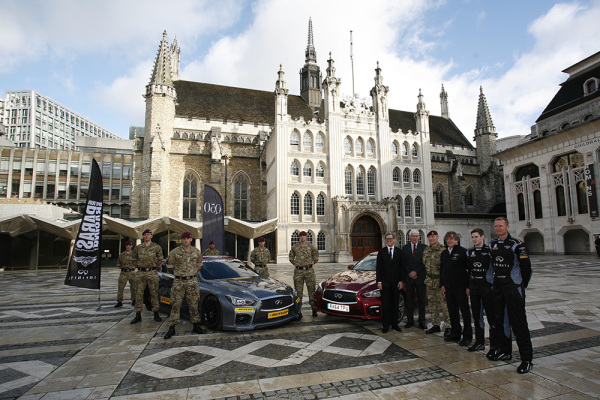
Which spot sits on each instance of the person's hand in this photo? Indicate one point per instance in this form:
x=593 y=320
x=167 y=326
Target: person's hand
x=413 y=274
x=444 y=291
x=379 y=285
x=400 y=285
x=468 y=292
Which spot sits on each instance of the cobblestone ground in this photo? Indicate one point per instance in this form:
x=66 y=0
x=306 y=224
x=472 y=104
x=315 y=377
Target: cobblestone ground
x=57 y=343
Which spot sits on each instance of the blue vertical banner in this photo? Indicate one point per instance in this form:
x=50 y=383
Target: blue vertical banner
x=213 y=219
x=84 y=265
x=591 y=190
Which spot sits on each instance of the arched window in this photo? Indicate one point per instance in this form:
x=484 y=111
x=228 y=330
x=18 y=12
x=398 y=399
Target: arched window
x=307 y=169
x=404 y=149
x=371 y=182
x=321 y=241
x=348 y=180
x=309 y=237
x=240 y=198
x=370 y=147
x=407 y=208
x=320 y=142
x=582 y=202
x=537 y=204
x=307 y=141
x=320 y=205
x=396 y=175
x=347 y=146
x=295 y=238
x=395 y=149
x=399 y=206
x=521 y=206
x=190 y=197
x=415 y=150
x=439 y=199
x=359 y=147
x=469 y=196
x=561 y=206
x=295 y=204
x=400 y=237
x=418 y=207
x=308 y=204
x=320 y=172
x=573 y=159
x=294 y=138
x=406 y=176
x=294 y=169
x=360 y=182
x=416 y=176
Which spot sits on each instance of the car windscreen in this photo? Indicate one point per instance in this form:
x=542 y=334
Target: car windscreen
x=225 y=269
x=366 y=264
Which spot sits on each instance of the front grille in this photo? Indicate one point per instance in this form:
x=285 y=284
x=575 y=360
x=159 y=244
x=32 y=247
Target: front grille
x=340 y=296
x=276 y=303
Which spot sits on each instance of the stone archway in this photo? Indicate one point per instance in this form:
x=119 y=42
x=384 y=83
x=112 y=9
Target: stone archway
x=576 y=241
x=534 y=242
x=365 y=237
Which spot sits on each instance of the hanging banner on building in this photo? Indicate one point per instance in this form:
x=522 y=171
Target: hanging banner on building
x=213 y=220
x=591 y=190
x=84 y=265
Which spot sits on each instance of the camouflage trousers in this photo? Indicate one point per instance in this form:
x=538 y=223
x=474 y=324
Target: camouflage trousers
x=308 y=276
x=263 y=271
x=437 y=303
x=189 y=290
x=144 y=279
x=125 y=277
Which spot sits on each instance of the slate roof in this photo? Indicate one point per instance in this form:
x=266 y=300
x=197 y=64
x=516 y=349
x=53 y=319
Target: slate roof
x=570 y=94
x=204 y=100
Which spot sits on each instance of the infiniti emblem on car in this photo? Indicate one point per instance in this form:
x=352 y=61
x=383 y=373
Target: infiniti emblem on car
x=338 y=295
x=278 y=302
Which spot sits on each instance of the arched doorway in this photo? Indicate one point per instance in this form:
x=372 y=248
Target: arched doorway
x=534 y=243
x=577 y=241
x=365 y=237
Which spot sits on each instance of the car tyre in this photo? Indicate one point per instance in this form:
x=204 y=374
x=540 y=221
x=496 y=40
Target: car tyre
x=211 y=313
x=401 y=308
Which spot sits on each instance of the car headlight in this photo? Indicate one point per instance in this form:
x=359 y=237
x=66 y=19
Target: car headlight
x=372 y=293
x=238 y=301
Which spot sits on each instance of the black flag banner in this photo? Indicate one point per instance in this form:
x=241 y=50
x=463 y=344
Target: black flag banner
x=84 y=265
x=213 y=219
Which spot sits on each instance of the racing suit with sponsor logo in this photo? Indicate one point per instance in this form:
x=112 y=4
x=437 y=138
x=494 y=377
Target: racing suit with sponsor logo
x=512 y=272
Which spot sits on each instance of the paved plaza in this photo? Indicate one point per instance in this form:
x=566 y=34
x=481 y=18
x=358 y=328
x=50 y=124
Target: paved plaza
x=56 y=344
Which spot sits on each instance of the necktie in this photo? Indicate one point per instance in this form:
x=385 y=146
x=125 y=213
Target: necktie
x=391 y=254
x=414 y=249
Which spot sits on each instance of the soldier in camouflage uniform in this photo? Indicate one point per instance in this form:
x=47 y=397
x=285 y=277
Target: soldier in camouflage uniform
x=187 y=261
x=128 y=274
x=303 y=256
x=147 y=257
x=260 y=256
x=435 y=297
x=211 y=251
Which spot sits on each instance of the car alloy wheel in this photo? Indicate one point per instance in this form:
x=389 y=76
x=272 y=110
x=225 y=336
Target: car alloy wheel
x=211 y=313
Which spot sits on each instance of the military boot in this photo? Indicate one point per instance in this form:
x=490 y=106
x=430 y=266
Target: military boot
x=170 y=332
x=157 y=317
x=138 y=318
x=198 y=329
x=119 y=304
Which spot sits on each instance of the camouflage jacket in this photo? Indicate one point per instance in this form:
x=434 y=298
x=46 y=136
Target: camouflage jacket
x=186 y=263
x=304 y=255
x=432 y=261
x=147 y=256
x=124 y=261
x=209 y=252
x=260 y=257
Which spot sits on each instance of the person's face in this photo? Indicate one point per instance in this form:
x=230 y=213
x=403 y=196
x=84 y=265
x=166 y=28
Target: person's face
x=147 y=237
x=128 y=247
x=211 y=246
x=477 y=239
x=414 y=238
x=501 y=227
x=433 y=239
x=303 y=239
x=261 y=244
x=187 y=241
x=451 y=241
x=390 y=240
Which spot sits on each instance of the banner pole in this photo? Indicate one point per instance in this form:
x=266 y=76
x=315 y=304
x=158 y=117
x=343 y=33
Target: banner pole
x=99 y=304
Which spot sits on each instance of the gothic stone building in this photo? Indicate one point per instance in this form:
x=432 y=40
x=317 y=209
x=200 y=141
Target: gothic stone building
x=346 y=170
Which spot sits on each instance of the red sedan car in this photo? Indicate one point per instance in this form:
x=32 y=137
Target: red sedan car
x=354 y=293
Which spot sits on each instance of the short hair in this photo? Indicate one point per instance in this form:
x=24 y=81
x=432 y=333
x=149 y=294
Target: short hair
x=390 y=234
x=479 y=231
x=413 y=231
x=502 y=219
x=452 y=235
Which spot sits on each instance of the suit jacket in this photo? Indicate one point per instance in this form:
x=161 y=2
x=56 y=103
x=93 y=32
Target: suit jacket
x=389 y=273
x=414 y=263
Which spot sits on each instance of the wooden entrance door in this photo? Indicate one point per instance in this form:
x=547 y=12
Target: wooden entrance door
x=365 y=236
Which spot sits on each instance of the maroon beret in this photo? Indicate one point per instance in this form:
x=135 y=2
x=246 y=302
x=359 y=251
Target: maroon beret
x=147 y=231
x=186 y=235
x=303 y=233
x=129 y=243
x=261 y=239
x=211 y=242
x=431 y=233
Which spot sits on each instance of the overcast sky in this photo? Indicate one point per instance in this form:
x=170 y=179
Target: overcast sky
x=96 y=57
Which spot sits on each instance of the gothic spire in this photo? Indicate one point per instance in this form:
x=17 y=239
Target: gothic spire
x=421 y=104
x=311 y=53
x=444 y=103
x=484 y=119
x=162 y=66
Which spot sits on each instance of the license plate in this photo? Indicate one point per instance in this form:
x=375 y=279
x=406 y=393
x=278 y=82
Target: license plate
x=338 y=307
x=165 y=300
x=276 y=314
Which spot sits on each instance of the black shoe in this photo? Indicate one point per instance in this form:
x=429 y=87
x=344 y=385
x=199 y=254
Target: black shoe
x=447 y=332
x=198 y=329
x=423 y=325
x=157 y=317
x=525 y=367
x=477 y=347
x=501 y=356
x=433 y=329
x=451 y=338
x=133 y=302
x=492 y=353
x=385 y=330
x=409 y=324
x=315 y=313
x=169 y=333
x=465 y=342
x=396 y=328
x=138 y=318
x=119 y=304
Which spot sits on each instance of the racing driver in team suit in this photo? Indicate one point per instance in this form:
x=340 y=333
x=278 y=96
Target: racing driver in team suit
x=512 y=272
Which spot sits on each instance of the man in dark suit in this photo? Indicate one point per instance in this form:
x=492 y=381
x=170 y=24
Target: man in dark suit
x=390 y=281
x=414 y=270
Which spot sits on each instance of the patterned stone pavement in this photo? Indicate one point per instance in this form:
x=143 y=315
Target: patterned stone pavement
x=56 y=343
